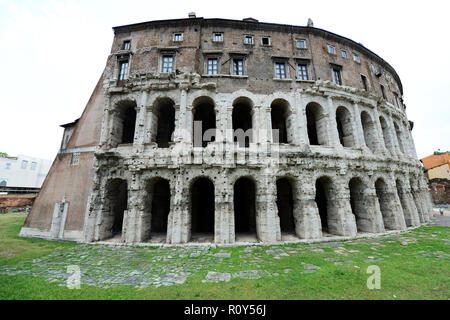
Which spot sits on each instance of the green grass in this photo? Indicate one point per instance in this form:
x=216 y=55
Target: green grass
x=405 y=276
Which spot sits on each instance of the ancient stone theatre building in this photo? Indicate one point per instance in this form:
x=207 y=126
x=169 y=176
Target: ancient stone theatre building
x=226 y=131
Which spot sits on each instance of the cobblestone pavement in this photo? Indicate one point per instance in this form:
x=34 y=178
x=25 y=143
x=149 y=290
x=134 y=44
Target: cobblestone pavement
x=107 y=265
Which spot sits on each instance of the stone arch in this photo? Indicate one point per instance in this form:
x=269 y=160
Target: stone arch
x=242 y=121
x=345 y=127
x=369 y=130
x=3 y=183
x=204 y=113
x=286 y=199
x=124 y=123
x=114 y=208
x=399 y=135
x=244 y=204
x=281 y=116
x=156 y=209
x=163 y=122
x=316 y=124
x=202 y=209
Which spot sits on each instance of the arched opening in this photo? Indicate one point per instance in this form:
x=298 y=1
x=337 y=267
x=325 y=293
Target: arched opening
x=399 y=137
x=316 y=124
x=204 y=114
x=202 y=210
x=116 y=202
x=157 y=209
x=383 y=196
x=285 y=205
x=279 y=112
x=3 y=183
x=370 y=134
x=386 y=136
x=323 y=192
x=358 y=204
x=163 y=124
x=124 y=123
x=345 y=128
x=244 y=208
x=242 y=122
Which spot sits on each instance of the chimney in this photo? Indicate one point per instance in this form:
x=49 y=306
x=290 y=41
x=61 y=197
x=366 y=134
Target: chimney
x=192 y=15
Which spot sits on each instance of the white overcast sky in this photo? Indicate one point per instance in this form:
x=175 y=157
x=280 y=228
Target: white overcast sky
x=52 y=54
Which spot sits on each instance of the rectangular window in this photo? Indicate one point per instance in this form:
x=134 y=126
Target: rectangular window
x=280 y=70
x=126 y=45
x=24 y=164
x=167 y=64
x=265 y=41
x=396 y=100
x=331 y=49
x=238 y=67
x=218 y=37
x=337 y=76
x=248 y=40
x=344 y=54
x=374 y=69
x=75 y=159
x=302 y=72
x=212 y=66
x=301 y=43
x=356 y=58
x=364 y=82
x=382 y=91
x=123 y=70
x=8 y=166
x=33 y=165
x=177 y=37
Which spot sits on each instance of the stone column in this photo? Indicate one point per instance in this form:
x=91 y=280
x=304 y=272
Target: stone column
x=341 y=220
x=374 y=219
x=419 y=205
x=141 y=115
x=359 y=134
x=408 y=205
x=179 y=220
x=382 y=148
x=224 y=231
x=267 y=220
x=106 y=122
x=306 y=213
x=302 y=130
x=333 y=134
x=131 y=216
x=396 y=216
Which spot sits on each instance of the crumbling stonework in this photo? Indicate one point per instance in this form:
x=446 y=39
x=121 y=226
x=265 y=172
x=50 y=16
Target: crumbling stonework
x=316 y=158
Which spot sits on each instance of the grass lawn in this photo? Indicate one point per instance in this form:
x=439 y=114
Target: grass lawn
x=419 y=270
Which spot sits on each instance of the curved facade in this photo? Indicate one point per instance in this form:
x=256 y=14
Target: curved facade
x=213 y=130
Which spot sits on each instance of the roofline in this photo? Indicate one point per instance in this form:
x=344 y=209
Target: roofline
x=200 y=20
x=69 y=124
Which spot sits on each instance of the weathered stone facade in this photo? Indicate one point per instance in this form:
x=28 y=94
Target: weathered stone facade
x=329 y=152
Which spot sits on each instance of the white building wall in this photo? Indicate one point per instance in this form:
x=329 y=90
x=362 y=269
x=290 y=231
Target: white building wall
x=23 y=171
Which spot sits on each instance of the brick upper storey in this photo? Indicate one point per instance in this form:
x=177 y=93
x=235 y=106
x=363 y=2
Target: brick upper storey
x=150 y=41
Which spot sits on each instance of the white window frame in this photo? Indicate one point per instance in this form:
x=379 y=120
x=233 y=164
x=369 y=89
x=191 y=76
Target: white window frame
x=330 y=50
x=374 y=69
x=243 y=66
x=342 y=54
x=215 y=34
x=125 y=44
x=175 y=37
x=248 y=36
x=300 y=40
x=123 y=74
x=212 y=69
x=306 y=69
x=356 y=58
x=167 y=55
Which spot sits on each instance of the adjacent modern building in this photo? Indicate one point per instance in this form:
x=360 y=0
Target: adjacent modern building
x=23 y=171
x=225 y=131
